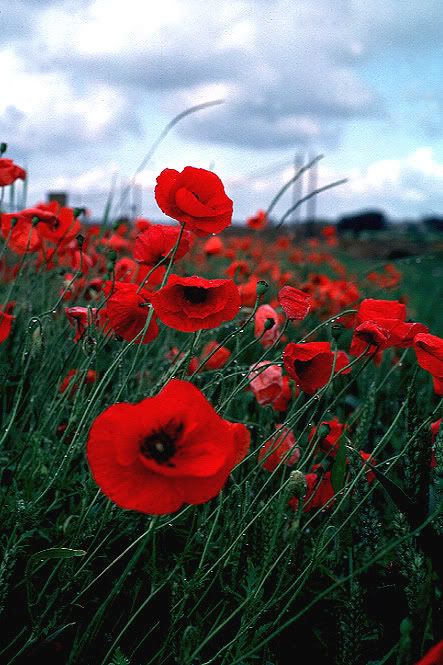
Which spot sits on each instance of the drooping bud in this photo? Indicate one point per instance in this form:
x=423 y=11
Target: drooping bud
x=297 y=484
x=261 y=287
x=269 y=323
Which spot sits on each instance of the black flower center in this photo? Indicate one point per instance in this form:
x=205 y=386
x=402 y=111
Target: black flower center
x=195 y=294
x=161 y=445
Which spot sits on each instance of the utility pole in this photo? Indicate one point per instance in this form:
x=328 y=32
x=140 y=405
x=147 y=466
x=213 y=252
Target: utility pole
x=297 y=188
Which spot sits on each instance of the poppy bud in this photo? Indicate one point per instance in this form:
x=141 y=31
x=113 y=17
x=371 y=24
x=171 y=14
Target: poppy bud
x=323 y=431
x=77 y=212
x=3 y=148
x=269 y=323
x=336 y=330
x=14 y=221
x=35 y=221
x=112 y=256
x=80 y=240
x=261 y=287
x=297 y=484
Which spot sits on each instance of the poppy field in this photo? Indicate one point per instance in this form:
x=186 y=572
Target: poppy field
x=218 y=445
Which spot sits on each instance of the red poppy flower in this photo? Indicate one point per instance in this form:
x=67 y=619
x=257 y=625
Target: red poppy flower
x=267 y=336
x=295 y=303
x=310 y=364
x=280 y=449
x=319 y=492
x=80 y=318
x=429 y=352
x=248 y=292
x=194 y=303
x=218 y=359
x=434 y=656
x=62 y=226
x=281 y=403
x=153 y=244
x=91 y=376
x=438 y=385
x=10 y=172
x=23 y=235
x=213 y=246
x=257 y=221
x=5 y=325
x=165 y=451
x=126 y=313
x=265 y=381
x=333 y=429
x=195 y=197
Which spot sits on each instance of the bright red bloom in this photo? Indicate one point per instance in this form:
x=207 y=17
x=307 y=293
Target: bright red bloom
x=195 y=303
x=165 y=451
x=62 y=226
x=438 y=385
x=5 y=325
x=266 y=382
x=248 y=292
x=213 y=246
x=10 y=172
x=266 y=336
x=310 y=364
x=126 y=313
x=429 y=352
x=281 y=402
x=155 y=242
x=80 y=318
x=434 y=656
x=282 y=448
x=295 y=303
x=257 y=221
x=195 y=197
x=333 y=429
x=218 y=359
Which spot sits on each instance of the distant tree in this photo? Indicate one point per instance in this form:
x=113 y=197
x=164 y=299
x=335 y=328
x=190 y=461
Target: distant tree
x=369 y=220
x=433 y=224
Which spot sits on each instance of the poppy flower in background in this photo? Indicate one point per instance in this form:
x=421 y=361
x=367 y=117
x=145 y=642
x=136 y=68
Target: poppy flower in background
x=10 y=172
x=296 y=304
x=218 y=359
x=62 y=226
x=310 y=364
x=319 y=492
x=332 y=431
x=281 y=403
x=266 y=336
x=80 y=318
x=195 y=303
x=257 y=221
x=5 y=325
x=194 y=197
x=213 y=246
x=69 y=382
x=153 y=244
x=266 y=382
x=282 y=448
x=20 y=231
x=165 y=451
x=126 y=313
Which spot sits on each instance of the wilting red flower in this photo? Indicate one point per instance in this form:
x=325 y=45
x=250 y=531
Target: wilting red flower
x=10 y=172
x=257 y=221
x=295 y=303
x=153 y=244
x=266 y=335
x=332 y=431
x=310 y=364
x=5 y=325
x=281 y=448
x=126 y=313
x=195 y=197
x=266 y=382
x=165 y=451
x=218 y=359
x=195 y=303
x=434 y=656
x=429 y=352
x=80 y=318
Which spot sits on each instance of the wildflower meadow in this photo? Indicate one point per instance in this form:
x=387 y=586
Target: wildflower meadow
x=219 y=444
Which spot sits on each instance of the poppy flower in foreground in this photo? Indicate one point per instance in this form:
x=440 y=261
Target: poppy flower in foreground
x=155 y=242
x=310 y=364
x=429 y=351
x=194 y=303
x=434 y=656
x=195 y=197
x=10 y=172
x=165 y=451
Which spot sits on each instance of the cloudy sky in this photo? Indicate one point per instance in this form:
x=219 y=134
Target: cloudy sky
x=86 y=86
